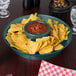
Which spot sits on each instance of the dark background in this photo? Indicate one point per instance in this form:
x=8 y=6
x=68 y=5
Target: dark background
x=73 y=0
x=18 y=66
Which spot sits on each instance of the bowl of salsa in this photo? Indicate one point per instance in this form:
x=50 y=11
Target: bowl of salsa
x=36 y=29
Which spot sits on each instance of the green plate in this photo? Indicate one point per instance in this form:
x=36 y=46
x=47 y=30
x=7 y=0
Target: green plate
x=37 y=56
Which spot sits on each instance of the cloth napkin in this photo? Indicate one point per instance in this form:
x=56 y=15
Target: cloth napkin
x=48 y=69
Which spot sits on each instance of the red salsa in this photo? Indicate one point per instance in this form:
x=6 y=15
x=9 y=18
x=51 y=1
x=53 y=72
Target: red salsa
x=36 y=28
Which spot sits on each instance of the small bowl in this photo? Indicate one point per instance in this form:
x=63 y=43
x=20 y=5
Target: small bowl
x=60 y=10
x=34 y=36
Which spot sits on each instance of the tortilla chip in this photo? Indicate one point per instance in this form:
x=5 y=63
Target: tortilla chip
x=56 y=28
x=66 y=36
x=32 y=47
x=46 y=50
x=50 y=23
x=55 y=34
x=25 y=21
x=34 y=17
x=8 y=38
x=55 y=22
x=45 y=43
x=58 y=47
x=61 y=34
x=15 y=28
x=66 y=28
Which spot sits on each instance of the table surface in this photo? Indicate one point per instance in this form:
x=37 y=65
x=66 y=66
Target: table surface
x=10 y=63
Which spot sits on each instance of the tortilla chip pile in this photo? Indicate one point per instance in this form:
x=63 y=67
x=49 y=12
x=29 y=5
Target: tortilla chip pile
x=17 y=38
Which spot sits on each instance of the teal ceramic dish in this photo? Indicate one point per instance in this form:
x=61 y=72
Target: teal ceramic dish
x=37 y=56
x=34 y=36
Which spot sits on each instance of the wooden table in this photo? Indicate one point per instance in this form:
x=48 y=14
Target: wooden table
x=18 y=66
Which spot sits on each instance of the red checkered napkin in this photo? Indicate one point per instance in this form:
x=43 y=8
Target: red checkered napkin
x=48 y=69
